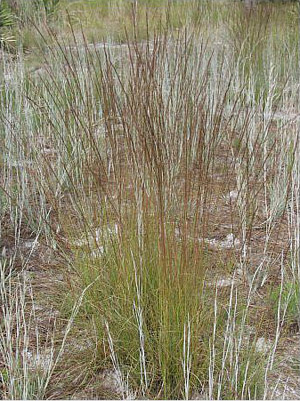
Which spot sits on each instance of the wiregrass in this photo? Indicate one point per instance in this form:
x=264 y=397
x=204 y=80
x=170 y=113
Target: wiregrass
x=121 y=157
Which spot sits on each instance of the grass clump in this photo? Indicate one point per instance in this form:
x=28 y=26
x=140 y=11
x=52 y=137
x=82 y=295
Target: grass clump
x=162 y=175
x=151 y=303
x=286 y=300
x=157 y=326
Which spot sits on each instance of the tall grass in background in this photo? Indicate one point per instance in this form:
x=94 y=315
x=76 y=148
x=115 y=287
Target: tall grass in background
x=119 y=159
